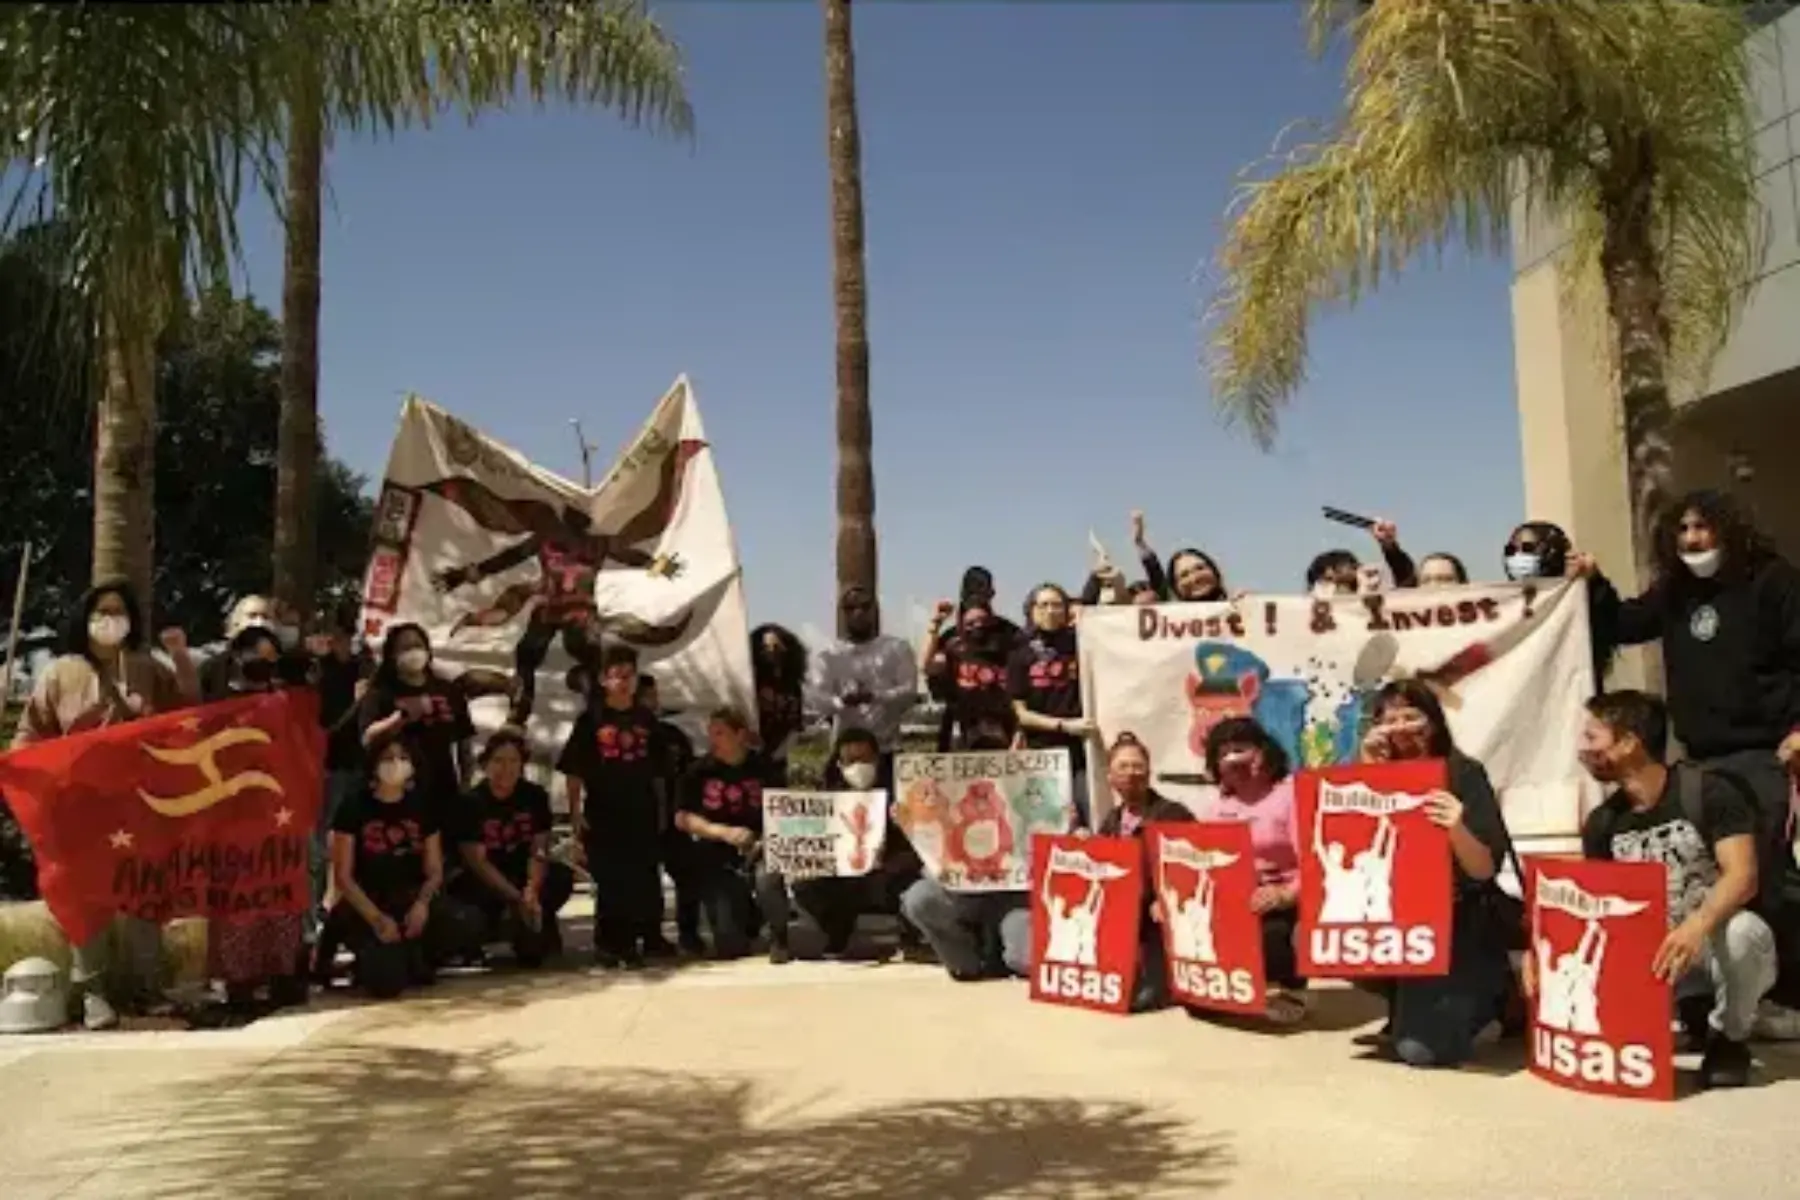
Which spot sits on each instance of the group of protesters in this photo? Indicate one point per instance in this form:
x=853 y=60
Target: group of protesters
x=430 y=852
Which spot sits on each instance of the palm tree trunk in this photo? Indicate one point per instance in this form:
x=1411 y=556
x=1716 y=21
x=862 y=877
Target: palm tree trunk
x=125 y=460
x=856 y=565
x=297 y=451
x=1634 y=296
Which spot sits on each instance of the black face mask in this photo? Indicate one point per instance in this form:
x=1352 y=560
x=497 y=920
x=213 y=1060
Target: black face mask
x=988 y=740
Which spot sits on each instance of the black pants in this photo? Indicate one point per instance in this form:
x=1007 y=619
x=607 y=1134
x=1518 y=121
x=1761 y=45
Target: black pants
x=628 y=902
x=385 y=969
x=484 y=917
x=534 y=645
x=678 y=860
x=834 y=905
x=736 y=901
x=1280 y=960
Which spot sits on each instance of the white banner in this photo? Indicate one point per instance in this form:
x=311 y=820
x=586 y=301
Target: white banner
x=513 y=570
x=823 y=835
x=1511 y=664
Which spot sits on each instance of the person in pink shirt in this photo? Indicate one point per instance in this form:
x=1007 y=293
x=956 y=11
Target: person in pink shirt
x=1256 y=787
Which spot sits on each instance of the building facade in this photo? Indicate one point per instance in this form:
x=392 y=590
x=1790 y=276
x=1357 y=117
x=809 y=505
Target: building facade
x=1742 y=431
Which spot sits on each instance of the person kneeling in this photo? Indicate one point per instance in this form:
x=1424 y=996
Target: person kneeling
x=508 y=889
x=387 y=863
x=1136 y=805
x=721 y=808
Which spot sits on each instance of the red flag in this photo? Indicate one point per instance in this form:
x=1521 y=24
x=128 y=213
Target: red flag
x=200 y=812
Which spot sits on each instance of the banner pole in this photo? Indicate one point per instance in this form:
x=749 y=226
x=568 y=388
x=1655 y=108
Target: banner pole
x=12 y=632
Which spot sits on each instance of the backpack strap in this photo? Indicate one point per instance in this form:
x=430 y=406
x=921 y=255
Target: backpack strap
x=1690 y=785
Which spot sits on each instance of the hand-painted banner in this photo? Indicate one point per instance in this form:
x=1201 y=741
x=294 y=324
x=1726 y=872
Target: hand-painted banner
x=1375 y=875
x=518 y=574
x=1511 y=664
x=203 y=812
x=971 y=816
x=1599 y=1016
x=1087 y=897
x=1203 y=873
x=822 y=835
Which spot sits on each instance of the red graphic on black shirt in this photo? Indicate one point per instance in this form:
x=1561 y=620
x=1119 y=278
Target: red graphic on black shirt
x=1054 y=672
x=510 y=833
x=623 y=743
x=732 y=797
x=978 y=676
x=393 y=838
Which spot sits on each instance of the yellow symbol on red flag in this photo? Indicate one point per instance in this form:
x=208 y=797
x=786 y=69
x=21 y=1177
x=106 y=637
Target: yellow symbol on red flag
x=203 y=754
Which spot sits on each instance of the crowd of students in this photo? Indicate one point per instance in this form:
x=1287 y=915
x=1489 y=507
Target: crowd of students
x=428 y=853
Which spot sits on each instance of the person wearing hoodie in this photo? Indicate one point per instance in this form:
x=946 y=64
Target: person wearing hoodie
x=1043 y=679
x=866 y=680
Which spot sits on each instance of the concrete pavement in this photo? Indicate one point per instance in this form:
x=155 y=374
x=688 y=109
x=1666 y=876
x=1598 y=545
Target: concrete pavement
x=837 y=1081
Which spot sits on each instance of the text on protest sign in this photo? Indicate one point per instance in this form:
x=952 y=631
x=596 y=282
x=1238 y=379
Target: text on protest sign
x=1203 y=873
x=1510 y=663
x=1086 y=904
x=1376 y=886
x=822 y=835
x=1600 y=1016
x=971 y=817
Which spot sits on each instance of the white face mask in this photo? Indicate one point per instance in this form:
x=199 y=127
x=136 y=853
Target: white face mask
x=860 y=776
x=1703 y=563
x=1523 y=566
x=395 y=772
x=108 y=631
x=413 y=662
x=1324 y=590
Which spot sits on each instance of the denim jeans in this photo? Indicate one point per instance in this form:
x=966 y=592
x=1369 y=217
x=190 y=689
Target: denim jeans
x=734 y=902
x=483 y=917
x=971 y=932
x=1736 y=968
x=1435 y=1020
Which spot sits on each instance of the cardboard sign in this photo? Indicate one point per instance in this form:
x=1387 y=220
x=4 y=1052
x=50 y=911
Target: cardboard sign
x=1600 y=1018
x=822 y=835
x=1203 y=873
x=1087 y=898
x=1375 y=877
x=972 y=816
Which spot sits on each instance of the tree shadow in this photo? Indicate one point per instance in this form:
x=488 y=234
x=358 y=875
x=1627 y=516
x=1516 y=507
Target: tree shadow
x=364 y=1120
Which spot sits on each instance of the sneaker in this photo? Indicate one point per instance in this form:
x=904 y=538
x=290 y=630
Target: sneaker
x=658 y=946
x=691 y=945
x=1286 y=1008
x=779 y=954
x=631 y=960
x=1726 y=1064
x=1776 y=1023
x=1381 y=1039
x=1693 y=1012
x=606 y=960
x=97 y=1014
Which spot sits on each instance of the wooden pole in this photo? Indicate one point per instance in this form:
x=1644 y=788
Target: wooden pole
x=12 y=633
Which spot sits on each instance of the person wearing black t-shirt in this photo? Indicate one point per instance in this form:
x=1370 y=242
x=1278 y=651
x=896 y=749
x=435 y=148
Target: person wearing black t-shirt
x=616 y=803
x=720 y=806
x=1044 y=680
x=674 y=754
x=966 y=671
x=1719 y=954
x=388 y=865
x=508 y=885
x=406 y=697
x=340 y=672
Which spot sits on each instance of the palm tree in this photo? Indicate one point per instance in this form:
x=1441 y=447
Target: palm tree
x=140 y=127
x=856 y=564
x=1628 y=123
x=610 y=54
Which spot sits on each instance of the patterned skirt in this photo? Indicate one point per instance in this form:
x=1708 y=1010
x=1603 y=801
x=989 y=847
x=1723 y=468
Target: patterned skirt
x=246 y=951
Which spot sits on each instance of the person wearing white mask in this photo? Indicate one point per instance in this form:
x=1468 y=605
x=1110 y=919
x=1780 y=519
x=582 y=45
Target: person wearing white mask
x=1726 y=609
x=104 y=676
x=387 y=863
x=429 y=713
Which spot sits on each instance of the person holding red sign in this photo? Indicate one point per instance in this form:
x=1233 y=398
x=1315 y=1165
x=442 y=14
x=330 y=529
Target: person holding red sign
x=1719 y=954
x=1256 y=787
x=1433 y=1022
x=1138 y=805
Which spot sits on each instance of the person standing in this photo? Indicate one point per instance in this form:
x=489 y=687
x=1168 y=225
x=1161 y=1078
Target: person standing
x=1043 y=678
x=104 y=676
x=867 y=680
x=673 y=754
x=616 y=803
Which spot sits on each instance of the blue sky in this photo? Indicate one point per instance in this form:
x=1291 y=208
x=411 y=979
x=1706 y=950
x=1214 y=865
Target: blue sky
x=1042 y=183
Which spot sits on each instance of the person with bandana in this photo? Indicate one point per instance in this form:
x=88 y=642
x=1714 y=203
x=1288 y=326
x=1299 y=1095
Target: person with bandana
x=867 y=680
x=967 y=672
x=975 y=935
x=1725 y=608
x=105 y=675
x=1043 y=679
x=1135 y=805
x=977 y=592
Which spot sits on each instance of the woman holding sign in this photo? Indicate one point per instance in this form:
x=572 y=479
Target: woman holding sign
x=1257 y=788
x=1433 y=1021
x=1136 y=805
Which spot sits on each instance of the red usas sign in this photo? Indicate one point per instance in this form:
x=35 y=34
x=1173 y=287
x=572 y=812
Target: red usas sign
x=1600 y=1017
x=1087 y=898
x=1203 y=873
x=1375 y=879
x=203 y=812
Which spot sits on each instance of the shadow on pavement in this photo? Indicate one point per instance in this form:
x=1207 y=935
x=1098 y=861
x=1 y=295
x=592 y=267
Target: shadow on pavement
x=361 y=1120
